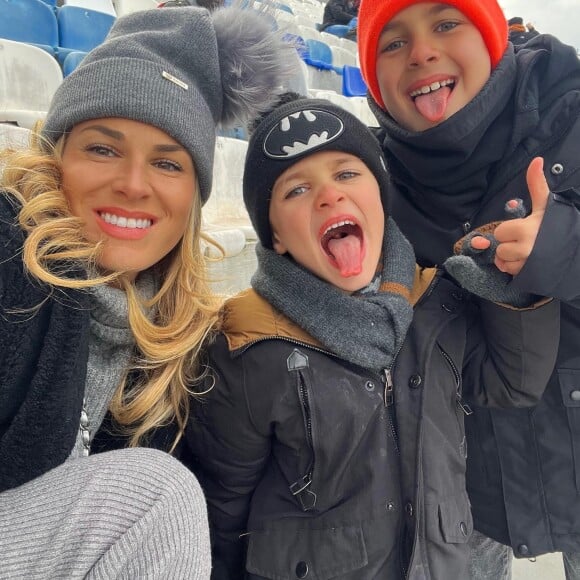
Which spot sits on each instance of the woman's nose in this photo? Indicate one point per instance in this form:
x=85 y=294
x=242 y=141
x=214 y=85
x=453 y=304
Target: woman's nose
x=132 y=180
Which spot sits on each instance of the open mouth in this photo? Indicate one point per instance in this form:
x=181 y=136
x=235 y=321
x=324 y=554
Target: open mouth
x=431 y=100
x=343 y=243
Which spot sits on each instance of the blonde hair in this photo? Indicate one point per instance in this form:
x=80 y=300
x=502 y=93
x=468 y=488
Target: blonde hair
x=185 y=309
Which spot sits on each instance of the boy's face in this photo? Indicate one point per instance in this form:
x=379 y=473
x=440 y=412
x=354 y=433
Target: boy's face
x=431 y=61
x=326 y=212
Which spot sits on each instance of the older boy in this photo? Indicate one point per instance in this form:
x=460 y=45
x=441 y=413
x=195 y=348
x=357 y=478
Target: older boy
x=462 y=115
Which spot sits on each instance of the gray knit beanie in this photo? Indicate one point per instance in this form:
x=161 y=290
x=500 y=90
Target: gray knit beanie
x=295 y=129
x=183 y=71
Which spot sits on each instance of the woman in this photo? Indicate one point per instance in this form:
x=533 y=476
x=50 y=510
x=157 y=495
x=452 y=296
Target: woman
x=101 y=273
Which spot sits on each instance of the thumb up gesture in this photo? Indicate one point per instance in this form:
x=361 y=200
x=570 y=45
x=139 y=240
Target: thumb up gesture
x=517 y=237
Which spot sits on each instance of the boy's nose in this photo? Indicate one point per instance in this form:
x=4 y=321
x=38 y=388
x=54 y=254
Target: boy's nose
x=422 y=53
x=328 y=195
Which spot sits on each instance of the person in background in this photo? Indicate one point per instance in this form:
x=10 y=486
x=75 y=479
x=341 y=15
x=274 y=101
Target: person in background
x=331 y=443
x=463 y=115
x=103 y=296
x=518 y=33
x=339 y=12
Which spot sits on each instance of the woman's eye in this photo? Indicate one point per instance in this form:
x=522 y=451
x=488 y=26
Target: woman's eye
x=445 y=26
x=168 y=165
x=101 y=150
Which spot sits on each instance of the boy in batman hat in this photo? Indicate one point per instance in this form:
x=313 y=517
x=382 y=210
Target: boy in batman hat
x=331 y=443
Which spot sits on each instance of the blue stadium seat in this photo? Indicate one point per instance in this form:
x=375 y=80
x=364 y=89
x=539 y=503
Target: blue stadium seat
x=71 y=61
x=30 y=21
x=339 y=30
x=319 y=54
x=353 y=85
x=50 y=3
x=81 y=29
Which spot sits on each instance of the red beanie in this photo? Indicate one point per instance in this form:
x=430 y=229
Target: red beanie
x=374 y=15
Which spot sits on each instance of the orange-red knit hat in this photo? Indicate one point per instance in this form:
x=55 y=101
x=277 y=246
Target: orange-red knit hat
x=374 y=15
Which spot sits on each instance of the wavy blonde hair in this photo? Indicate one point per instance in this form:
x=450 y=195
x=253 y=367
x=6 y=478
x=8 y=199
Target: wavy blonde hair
x=185 y=310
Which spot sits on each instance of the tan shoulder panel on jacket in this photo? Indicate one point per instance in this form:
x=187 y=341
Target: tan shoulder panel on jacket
x=423 y=277
x=248 y=317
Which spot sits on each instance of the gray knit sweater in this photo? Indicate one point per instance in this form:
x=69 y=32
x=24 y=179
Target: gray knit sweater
x=111 y=345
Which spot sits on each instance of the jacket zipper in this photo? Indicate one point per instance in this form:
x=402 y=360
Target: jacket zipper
x=467 y=410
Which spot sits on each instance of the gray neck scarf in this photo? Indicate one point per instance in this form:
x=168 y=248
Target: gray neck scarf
x=367 y=328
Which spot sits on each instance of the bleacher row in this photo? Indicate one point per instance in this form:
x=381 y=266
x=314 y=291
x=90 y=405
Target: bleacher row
x=41 y=43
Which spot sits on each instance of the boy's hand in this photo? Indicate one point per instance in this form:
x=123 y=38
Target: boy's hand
x=516 y=238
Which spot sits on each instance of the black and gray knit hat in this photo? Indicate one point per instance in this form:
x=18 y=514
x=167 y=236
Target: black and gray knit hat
x=182 y=70
x=295 y=130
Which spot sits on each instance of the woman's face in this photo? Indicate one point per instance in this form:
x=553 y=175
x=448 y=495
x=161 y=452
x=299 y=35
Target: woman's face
x=133 y=186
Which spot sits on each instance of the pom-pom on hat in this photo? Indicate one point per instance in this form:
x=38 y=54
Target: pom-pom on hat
x=374 y=15
x=183 y=71
x=294 y=130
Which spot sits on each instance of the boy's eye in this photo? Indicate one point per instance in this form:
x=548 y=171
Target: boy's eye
x=391 y=46
x=295 y=191
x=346 y=174
x=446 y=26
x=168 y=165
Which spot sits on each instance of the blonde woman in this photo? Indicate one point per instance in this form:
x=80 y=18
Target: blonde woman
x=103 y=297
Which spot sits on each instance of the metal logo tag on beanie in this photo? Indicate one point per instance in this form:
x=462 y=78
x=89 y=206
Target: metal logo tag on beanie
x=300 y=132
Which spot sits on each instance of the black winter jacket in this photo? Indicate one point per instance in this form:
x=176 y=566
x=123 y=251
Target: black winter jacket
x=338 y=12
x=43 y=361
x=459 y=175
x=314 y=467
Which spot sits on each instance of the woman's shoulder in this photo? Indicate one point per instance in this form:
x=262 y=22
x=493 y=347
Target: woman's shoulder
x=9 y=228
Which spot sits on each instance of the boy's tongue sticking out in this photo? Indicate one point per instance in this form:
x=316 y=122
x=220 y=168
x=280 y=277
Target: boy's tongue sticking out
x=433 y=105
x=344 y=247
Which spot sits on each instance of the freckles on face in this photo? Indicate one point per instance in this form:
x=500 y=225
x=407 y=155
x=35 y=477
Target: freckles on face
x=134 y=188
x=431 y=62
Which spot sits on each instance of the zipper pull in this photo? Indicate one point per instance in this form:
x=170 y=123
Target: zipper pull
x=463 y=406
x=389 y=392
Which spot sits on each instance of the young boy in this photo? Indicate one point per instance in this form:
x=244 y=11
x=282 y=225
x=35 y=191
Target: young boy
x=462 y=115
x=331 y=441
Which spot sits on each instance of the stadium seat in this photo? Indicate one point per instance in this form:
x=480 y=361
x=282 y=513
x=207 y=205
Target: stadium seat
x=123 y=7
x=339 y=30
x=105 y=6
x=353 y=85
x=29 y=77
x=71 y=61
x=30 y=21
x=81 y=29
x=319 y=54
x=50 y=3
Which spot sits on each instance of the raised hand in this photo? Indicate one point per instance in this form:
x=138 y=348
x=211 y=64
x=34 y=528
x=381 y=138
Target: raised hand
x=517 y=237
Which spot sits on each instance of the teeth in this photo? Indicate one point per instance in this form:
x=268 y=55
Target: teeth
x=338 y=225
x=432 y=87
x=123 y=222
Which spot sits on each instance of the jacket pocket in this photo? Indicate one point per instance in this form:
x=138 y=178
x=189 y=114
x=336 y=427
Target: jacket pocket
x=455 y=519
x=570 y=389
x=315 y=554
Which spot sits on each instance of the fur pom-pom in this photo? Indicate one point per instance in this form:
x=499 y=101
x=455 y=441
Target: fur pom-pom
x=254 y=62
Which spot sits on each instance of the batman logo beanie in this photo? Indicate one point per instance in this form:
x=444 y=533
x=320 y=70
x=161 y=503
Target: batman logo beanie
x=293 y=131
